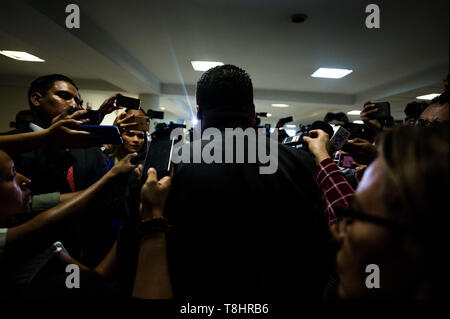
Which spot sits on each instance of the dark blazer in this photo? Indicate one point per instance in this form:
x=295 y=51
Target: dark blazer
x=47 y=168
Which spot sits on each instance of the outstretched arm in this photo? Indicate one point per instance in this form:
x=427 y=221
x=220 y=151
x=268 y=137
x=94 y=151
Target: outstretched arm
x=152 y=275
x=60 y=134
x=69 y=208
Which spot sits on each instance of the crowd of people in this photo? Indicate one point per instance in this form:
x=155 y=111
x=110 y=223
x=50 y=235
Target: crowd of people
x=309 y=230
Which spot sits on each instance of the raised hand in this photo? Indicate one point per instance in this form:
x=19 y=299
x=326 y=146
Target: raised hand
x=154 y=194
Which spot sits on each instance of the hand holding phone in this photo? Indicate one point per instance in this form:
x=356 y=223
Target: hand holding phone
x=106 y=134
x=159 y=156
x=143 y=122
x=128 y=102
x=93 y=117
x=338 y=140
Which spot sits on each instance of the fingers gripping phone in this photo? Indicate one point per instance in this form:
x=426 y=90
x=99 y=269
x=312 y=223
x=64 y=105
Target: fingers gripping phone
x=128 y=102
x=106 y=134
x=346 y=161
x=384 y=110
x=159 y=156
x=143 y=122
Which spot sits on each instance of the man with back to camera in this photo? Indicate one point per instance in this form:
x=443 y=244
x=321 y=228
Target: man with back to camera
x=438 y=109
x=237 y=232
x=58 y=173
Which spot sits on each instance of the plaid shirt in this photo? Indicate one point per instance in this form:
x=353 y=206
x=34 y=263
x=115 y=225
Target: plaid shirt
x=334 y=187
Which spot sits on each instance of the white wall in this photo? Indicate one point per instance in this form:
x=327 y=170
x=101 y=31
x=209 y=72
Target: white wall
x=12 y=100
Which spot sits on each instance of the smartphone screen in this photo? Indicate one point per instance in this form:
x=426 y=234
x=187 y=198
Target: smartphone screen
x=159 y=156
x=346 y=161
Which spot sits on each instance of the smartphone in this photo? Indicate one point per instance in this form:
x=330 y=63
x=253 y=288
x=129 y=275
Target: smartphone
x=155 y=114
x=339 y=139
x=128 y=102
x=143 y=123
x=384 y=110
x=159 y=156
x=139 y=159
x=346 y=160
x=107 y=134
x=92 y=116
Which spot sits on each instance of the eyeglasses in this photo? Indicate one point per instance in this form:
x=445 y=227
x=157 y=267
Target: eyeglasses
x=346 y=215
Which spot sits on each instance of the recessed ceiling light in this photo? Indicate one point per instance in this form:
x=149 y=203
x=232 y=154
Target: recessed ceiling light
x=269 y=114
x=21 y=56
x=358 y=122
x=280 y=105
x=204 y=65
x=354 y=112
x=162 y=108
x=331 y=73
x=428 y=96
x=291 y=125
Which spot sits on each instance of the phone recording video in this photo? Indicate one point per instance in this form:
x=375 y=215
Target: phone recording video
x=384 y=110
x=159 y=156
x=128 y=102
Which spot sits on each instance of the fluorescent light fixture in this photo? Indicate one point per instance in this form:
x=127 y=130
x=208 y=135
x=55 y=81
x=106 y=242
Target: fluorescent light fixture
x=280 y=105
x=204 y=65
x=354 y=112
x=21 y=56
x=269 y=114
x=358 y=122
x=291 y=125
x=331 y=73
x=428 y=96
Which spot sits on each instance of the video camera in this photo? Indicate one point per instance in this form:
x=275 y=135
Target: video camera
x=162 y=130
x=337 y=140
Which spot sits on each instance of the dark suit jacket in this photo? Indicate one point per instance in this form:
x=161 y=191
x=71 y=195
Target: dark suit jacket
x=47 y=168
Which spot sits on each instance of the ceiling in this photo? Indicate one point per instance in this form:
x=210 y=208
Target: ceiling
x=146 y=47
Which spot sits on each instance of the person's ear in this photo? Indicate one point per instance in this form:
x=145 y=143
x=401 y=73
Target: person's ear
x=253 y=120
x=199 y=113
x=35 y=99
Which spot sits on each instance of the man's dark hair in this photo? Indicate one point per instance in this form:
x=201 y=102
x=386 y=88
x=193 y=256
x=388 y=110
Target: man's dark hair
x=414 y=109
x=441 y=99
x=329 y=117
x=44 y=83
x=22 y=113
x=226 y=88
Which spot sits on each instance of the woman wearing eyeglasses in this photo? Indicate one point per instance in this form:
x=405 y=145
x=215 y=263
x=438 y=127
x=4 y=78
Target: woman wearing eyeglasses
x=397 y=219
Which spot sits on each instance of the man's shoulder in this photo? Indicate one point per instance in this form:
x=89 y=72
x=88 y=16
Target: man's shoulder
x=86 y=152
